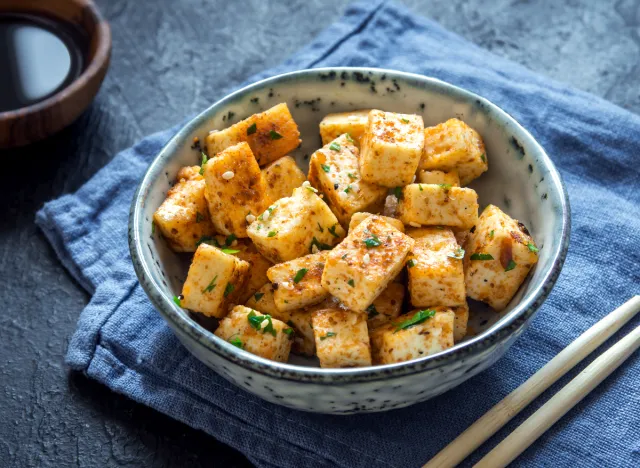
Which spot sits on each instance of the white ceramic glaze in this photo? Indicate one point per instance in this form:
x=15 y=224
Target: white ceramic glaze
x=521 y=179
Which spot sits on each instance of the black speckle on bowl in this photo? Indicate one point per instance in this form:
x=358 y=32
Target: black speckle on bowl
x=360 y=78
x=255 y=100
x=530 y=169
x=517 y=146
x=328 y=76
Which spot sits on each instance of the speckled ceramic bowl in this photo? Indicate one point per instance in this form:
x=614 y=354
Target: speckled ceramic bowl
x=521 y=179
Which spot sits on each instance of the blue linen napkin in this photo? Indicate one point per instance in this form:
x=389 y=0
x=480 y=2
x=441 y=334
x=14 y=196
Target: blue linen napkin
x=123 y=342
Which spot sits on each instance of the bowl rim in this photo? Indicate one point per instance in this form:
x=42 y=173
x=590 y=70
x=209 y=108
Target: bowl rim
x=511 y=322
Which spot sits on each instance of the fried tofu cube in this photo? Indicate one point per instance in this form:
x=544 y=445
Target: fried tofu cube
x=183 y=217
x=342 y=338
x=281 y=177
x=258 y=267
x=299 y=319
x=357 y=218
x=214 y=281
x=235 y=189
x=295 y=226
x=364 y=264
x=454 y=145
x=271 y=134
x=439 y=178
x=352 y=122
x=333 y=170
x=438 y=205
x=257 y=333
x=413 y=335
x=391 y=148
x=460 y=322
x=435 y=268
x=387 y=306
x=499 y=255
x=296 y=283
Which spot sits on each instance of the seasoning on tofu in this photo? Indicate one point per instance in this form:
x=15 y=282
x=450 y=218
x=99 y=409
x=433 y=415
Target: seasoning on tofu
x=366 y=260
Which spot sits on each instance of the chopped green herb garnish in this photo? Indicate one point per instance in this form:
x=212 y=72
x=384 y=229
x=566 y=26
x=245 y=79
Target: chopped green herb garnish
x=176 y=299
x=417 y=318
x=510 y=266
x=203 y=162
x=372 y=241
x=458 y=254
x=272 y=233
x=228 y=289
x=446 y=187
x=299 y=275
x=351 y=176
x=348 y=189
x=349 y=139
x=398 y=193
x=532 y=248
x=199 y=217
x=288 y=331
x=274 y=135
x=484 y=159
x=344 y=257
x=411 y=263
x=481 y=256
x=405 y=120
x=230 y=251
x=257 y=296
x=420 y=187
x=332 y=230
x=252 y=129
x=328 y=335
x=210 y=286
x=236 y=342
x=320 y=228
x=256 y=322
x=491 y=234
x=335 y=146
x=372 y=311
x=325 y=168
x=229 y=240
x=351 y=283
x=319 y=245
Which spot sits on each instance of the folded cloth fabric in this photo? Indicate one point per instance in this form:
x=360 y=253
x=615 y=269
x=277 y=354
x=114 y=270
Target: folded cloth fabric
x=123 y=342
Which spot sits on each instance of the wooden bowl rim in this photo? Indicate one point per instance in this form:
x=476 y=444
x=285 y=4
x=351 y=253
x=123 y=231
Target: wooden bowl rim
x=102 y=34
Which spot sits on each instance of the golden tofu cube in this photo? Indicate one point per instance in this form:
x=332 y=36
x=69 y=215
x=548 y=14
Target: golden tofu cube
x=296 y=283
x=438 y=205
x=499 y=255
x=439 y=178
x=364 y=264
x=414 y=335
x=391 y=148
x=183 y=217
x=387 y=306
x=295 y=226
x=257 y=333
x=333 y=170
x=235 y=189
x=357 y=218
x=271 y=134
x=299 y=319
x=214 y=281
x=460 y=322
x=454 y=145
x=342 y=338
x=353 y=123
x=435 y=268
x=282 y=176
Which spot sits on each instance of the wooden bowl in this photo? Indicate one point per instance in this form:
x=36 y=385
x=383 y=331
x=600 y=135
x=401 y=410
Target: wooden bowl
x=35 y=122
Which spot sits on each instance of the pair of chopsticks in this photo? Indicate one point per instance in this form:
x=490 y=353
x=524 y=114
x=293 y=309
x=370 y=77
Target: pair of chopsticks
x=529 y=431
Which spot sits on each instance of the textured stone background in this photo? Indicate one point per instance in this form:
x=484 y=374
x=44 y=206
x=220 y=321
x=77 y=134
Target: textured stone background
x=170 y=58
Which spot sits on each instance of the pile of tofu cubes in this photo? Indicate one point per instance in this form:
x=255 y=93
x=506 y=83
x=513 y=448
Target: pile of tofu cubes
x=368 y=260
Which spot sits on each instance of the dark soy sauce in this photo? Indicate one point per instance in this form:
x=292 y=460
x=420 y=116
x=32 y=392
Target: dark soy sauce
x=38 y=57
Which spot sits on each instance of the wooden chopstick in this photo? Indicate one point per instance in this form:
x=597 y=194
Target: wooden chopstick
x=549 y=413
x=513 y=403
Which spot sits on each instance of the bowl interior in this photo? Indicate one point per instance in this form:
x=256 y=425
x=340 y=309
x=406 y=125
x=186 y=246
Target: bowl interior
x=521 y=179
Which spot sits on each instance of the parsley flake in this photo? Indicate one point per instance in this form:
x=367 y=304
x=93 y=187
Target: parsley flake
x=257 y=296
x=484 y=159
x=229 y=240
x=335 y=146
x=491 y=234
x=532 y=248
x=228 y=289
x=411 y=263
x=288 y=331
x=325 y=168
x=236 y=342
x=348 y=189
x=256 y=322
x=398 y=193
x=319 y=245
x=445 y=187
x=199 y=217
x=203 y=162
x=417 y=319
x=252 y=129
x=372 y=311
x=420 y=187
x=230 y=251
x=274 y=135
x=372 y=241
x=320 y=228
x=272 y=233
x=351 y=283
x=210 y=286
x=351 y=176
x=328 y=335
x=299 y=275
x=481 y=256
x=458 y=254
x=405 y=120
x=510 y=266
x=332 y=231
x=177 y=300
x=349 y=139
